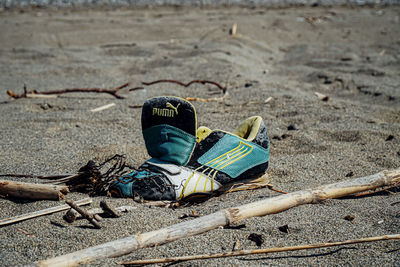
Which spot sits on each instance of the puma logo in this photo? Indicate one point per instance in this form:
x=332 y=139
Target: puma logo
x=169 y=105
x=166 y=112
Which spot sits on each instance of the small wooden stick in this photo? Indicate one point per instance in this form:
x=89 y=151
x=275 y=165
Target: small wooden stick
x=84 y=213
x=270 y=187
x=43 y=212
x=207 y=99
x=40 y=96
x=103 y=107
x=25 y=232
x=261 y=251
x=109 y=209
x=73 y=215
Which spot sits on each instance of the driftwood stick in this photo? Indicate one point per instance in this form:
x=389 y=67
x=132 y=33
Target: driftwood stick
x=84 y=213
x=73 y=215
x=222 y=218
x=261 y=251
x=109 y=209
x=113 y=92
x=43 y=212
x=32 y=191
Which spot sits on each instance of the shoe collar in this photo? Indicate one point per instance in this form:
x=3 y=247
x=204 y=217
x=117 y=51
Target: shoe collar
x=247 y=130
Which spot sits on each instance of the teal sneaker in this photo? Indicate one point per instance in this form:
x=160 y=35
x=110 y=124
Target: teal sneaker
x=190 y=163
x=227 y=158
x=169 y=129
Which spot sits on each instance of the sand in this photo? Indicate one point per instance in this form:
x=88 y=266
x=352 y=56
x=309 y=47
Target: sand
x=348 y=54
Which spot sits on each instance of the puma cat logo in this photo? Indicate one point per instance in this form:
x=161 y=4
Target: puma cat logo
x=169 y=105
x=166 y=112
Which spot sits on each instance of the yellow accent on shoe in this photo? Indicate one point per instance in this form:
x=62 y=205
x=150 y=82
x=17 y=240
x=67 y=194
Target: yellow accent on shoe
x=169 y=105
x=202 y=133
x=184 y=187
x=248 y=129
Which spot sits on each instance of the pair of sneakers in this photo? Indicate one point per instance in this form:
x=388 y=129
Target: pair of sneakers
x=189 y=163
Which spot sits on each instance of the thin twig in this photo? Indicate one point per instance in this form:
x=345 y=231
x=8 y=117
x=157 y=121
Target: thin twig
x=187 y=84
x=136 y=88
x=270 y=187
x=261 y=251
x=135 y=106
x=113 y=92
x=65 y=179
x=25 y=232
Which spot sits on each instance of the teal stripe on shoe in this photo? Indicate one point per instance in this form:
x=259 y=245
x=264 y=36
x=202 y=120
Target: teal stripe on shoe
x=169 y=143
x=233 y=155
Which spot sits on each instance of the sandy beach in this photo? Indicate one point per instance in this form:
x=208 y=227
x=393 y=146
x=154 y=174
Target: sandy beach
x=349 y=54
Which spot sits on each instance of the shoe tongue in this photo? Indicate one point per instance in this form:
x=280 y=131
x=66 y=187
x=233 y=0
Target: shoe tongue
x=169 y=129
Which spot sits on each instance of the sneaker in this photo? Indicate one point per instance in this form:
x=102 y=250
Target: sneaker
x=190 y=167
x=169 y=129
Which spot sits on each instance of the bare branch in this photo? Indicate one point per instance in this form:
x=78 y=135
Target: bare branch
x=187 y=84
x=113 y=92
